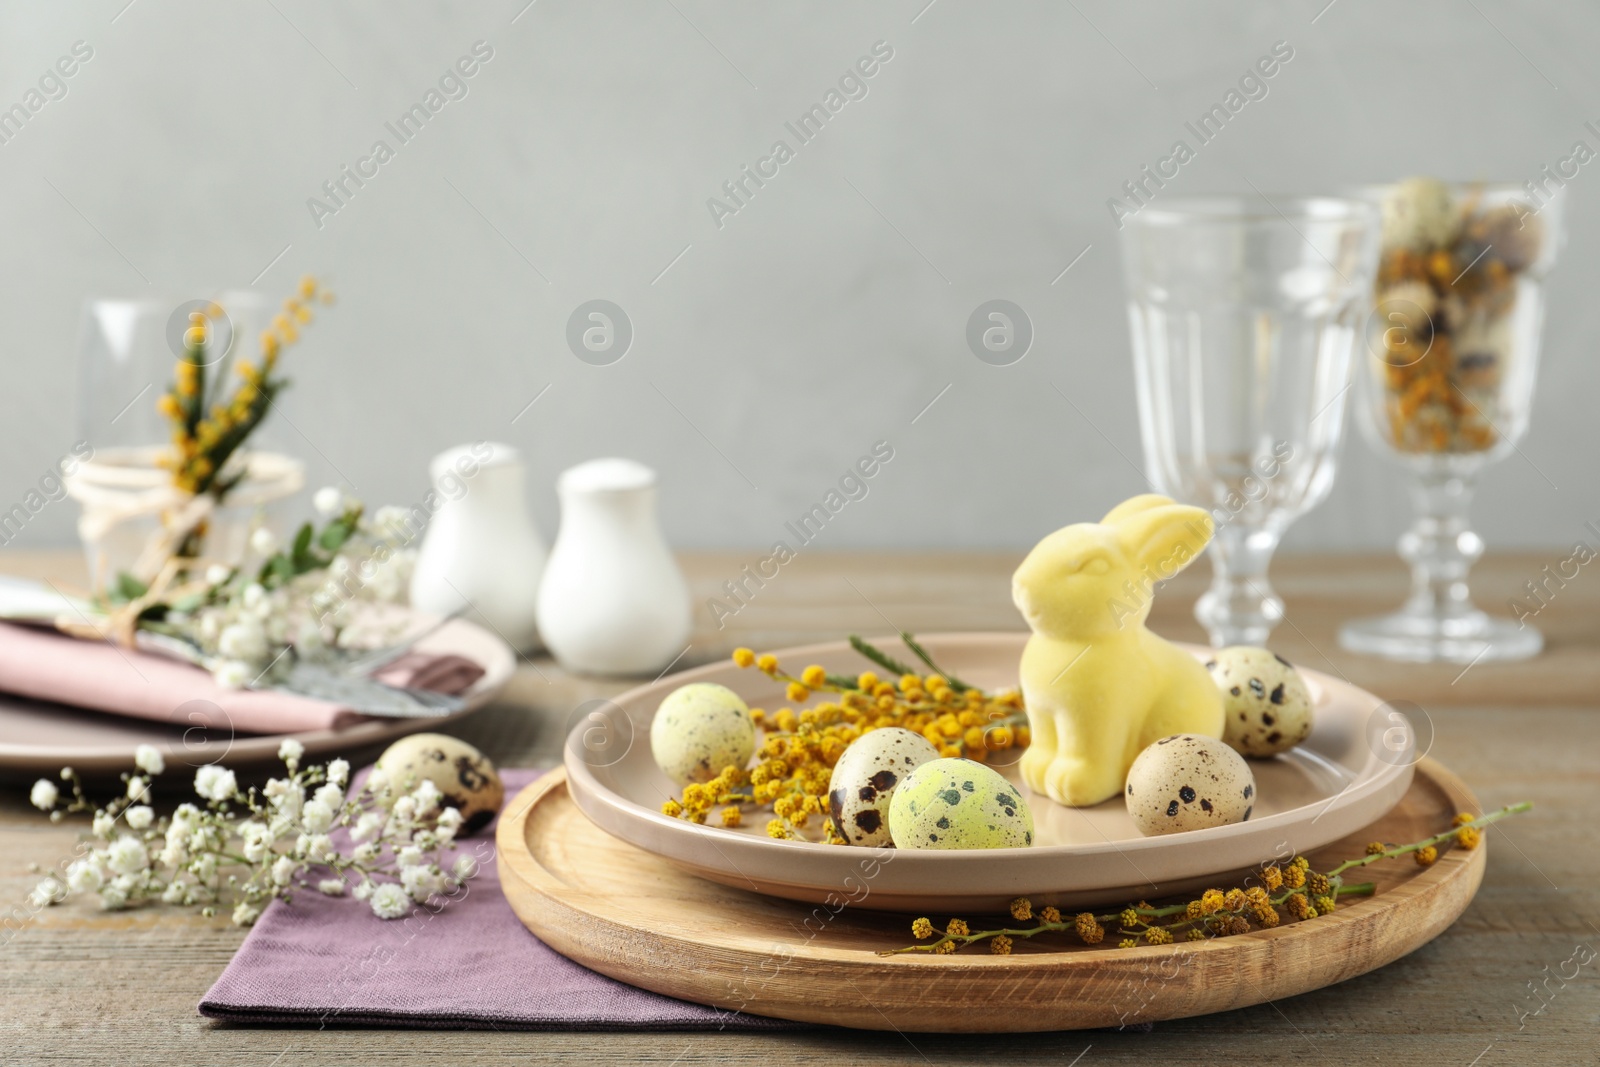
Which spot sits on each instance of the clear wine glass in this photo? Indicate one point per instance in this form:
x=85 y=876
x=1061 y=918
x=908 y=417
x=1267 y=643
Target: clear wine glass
x=1244 y=313
x=1446 y=387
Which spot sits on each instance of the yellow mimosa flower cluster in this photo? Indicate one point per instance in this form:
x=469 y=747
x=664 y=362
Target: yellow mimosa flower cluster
x=203 y=440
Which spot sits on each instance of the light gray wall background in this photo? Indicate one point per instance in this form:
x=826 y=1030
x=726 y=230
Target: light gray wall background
x=827 y=314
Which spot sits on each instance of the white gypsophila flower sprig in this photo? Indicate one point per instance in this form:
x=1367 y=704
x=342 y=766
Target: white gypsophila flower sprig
x=240 y=849
x=300 y=595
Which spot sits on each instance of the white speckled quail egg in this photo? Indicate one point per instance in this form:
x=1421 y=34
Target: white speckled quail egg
x=700 y=729
x=1188 y=782
x=958 y=803
x=1419 y=214
x=466 y=779
x=865 y=778
x=1411 y=306
x=1266 y=702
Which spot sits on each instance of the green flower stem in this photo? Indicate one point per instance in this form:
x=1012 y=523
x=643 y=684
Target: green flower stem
x=842 y=683
x=1144 y=914
x=1357 y=889
x=195 y=354
x=921 y=653
x=1451 y=834
x=835 y=683
x=1360 y=889
x=883 y=660
x=983 y=935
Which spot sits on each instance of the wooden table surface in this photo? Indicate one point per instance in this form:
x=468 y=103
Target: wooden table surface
x=81 y=985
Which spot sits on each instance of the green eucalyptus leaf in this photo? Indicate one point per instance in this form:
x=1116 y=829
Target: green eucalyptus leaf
x=336 y=534
x=300 y=553
x=127 y=587
x=282 y=569
x=189 y=603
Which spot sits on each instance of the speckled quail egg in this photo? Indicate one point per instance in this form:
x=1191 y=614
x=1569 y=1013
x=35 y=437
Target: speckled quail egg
x=466 y=779
x=1419 y=214
x=958 y=803
x=1409 y=305
x=865 y=778
x=1266 y=703
x=1485 y=348
x=1188 y=782
x=700 y=729
x=1512 y=231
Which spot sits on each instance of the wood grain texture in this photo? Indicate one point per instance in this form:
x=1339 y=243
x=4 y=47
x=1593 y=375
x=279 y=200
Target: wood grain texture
x=81 y=986
x=629 y=914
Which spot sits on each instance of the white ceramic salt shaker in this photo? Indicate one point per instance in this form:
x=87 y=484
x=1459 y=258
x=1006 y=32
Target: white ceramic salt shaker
x=613 y=601
x=482 y=551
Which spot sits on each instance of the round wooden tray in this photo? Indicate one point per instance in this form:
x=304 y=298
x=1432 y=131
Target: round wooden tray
x=628 y=914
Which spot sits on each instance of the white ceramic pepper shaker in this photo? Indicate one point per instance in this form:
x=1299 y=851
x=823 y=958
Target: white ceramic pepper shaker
x=482 y=551
x=613 y=601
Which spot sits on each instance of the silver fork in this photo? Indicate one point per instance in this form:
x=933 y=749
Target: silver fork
x=367 y=662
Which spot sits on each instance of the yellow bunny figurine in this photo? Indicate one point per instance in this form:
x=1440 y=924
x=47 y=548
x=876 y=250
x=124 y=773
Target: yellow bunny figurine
x=1099 y=686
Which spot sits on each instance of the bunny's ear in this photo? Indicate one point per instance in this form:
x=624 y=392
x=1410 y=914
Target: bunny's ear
x=1133 y=506
x=1164 y=537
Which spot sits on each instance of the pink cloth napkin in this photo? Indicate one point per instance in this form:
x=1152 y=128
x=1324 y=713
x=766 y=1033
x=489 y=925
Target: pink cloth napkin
x=446 y=673
x=328 y=961
x=96 y=674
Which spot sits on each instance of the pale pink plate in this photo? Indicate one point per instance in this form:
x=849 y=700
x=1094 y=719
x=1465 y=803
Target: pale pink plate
x=1356 y=765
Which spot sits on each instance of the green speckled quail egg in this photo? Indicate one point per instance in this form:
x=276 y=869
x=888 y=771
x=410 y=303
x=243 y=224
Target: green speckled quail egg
x=1188 y=782
x=700 y=729
x=466 y=779
x=865 y=778
x=1265 y=701
x=1419 y=214
x=958 y=803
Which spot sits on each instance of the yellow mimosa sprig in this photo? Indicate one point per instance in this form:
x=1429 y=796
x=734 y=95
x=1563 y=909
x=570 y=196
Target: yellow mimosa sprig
x=203 y=441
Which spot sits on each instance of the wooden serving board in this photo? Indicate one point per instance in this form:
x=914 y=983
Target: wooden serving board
x=628 y=914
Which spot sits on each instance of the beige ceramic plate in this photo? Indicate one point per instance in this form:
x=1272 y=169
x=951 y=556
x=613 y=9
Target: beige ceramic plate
x=38 y=738
x=1356 y=765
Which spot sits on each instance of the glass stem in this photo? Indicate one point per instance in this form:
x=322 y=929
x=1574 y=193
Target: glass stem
x=1441 y=546
x=1241 y=607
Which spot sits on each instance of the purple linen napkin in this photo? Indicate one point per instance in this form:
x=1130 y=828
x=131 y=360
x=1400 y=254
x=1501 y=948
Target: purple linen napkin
x=328 y=961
